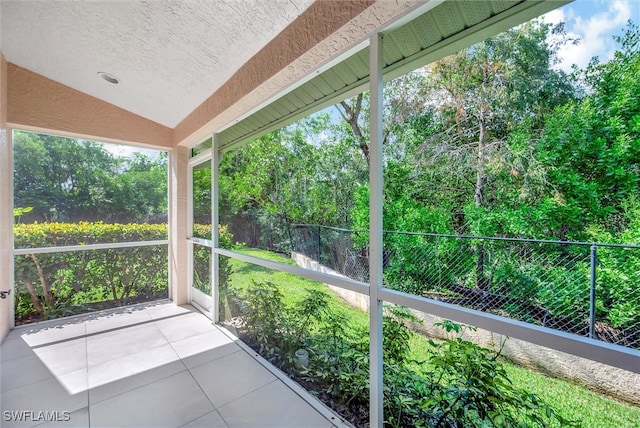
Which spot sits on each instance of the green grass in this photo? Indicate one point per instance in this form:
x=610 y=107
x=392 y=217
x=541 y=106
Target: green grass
x=572 y=401
x=293 y=287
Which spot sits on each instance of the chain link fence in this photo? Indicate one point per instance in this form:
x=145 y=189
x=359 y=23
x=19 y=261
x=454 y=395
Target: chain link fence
x=260 y=230
x=588 y=289
x=333 y=247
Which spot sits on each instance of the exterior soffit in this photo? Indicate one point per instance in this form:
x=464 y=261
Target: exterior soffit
x=441 y=30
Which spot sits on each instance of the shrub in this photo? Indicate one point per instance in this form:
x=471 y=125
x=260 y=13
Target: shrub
x=459 y=384
x=50 y=285
x=468 y=386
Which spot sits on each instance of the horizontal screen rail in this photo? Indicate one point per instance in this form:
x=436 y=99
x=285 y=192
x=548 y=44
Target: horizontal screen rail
x=89 y=247
x=596 y=350
x=338 y=281
x=201 y=241
x=603 y=352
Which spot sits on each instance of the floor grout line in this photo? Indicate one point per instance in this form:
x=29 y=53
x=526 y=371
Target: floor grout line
x=181 y=368
x=86 y=351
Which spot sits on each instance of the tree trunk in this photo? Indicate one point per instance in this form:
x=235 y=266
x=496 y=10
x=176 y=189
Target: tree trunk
x=351 y=116
x=481 y=282
x=480 y=174
x=46 y=290
x=34 y=296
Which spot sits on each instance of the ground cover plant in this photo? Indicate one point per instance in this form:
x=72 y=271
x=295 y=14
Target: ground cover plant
x=449 y=384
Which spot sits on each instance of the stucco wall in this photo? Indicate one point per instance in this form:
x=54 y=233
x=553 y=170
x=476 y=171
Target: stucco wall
x=178 y=246
x=622 y=384
x=38 y=103
x=322 y=31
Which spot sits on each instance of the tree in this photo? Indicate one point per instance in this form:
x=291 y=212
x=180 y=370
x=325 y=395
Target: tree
x=488 y=96
x=140 y=191
x=591 y=147
x=301 y=174
x=65 y=179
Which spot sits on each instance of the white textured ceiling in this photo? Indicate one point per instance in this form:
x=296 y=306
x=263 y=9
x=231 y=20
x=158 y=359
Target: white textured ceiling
x=169 y=55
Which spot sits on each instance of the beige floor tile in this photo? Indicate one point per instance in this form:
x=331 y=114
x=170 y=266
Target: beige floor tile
x=102 y=391
x=231 y=377
x=152 y=365
x=47 y=395
x=169 y=402
x=22 y=371
x=14 y=347
x=210 y=420
x=117 y=319
x=74 y=382
x=183 y=326
x=200 y=349
x=64 y=359
x=52 y=332
x=130 y=365
x=273 y=405
x=167 y=310
x=124 y=341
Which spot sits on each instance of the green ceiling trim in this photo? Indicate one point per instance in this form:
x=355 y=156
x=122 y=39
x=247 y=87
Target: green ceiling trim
x=443 y=30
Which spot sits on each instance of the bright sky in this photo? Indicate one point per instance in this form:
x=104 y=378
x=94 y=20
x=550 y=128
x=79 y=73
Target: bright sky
x=121 y=150
x=594 y=22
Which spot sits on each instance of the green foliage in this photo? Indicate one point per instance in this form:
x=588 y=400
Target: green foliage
x=297 y=174
x=50 y=285
x=19 y=212
x=338 y=371
x=278 y=330
x=469 y=386
x=592 y=146
x=459 y=382
x=34 y=235
x=618 y=296
x=56 y=284
x=202 y=201
x=68 y=180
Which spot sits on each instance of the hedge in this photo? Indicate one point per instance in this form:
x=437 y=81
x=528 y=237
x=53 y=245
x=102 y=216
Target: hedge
x=50 y=285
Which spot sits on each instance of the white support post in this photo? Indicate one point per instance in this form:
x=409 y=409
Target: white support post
x=215 y=277
x=376 y=418
x=6 y=230
x=190 y=252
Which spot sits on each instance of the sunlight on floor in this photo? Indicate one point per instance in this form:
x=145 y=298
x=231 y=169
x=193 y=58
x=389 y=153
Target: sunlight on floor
x=170 y=361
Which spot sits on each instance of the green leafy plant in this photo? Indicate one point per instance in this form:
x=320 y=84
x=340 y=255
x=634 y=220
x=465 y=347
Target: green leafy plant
x=279 y=330
x=19 y=212
x=470 y=387
x=458 y=383
x=51 y=285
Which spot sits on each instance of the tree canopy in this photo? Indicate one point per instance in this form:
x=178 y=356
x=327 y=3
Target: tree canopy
x=65 y=179
x=493 y=140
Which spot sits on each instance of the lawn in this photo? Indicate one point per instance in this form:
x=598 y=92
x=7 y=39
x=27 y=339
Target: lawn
x=572 y=401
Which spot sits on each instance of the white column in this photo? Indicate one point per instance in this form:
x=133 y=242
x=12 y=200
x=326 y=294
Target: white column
x=178 y=226
x=6 y=208
x=375 y=231
x=6 y=232
x=215 y=277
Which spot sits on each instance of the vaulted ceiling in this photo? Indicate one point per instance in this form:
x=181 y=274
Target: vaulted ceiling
x=168 y=55
x=187 y=68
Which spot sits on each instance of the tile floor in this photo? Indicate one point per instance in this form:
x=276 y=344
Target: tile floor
x=154 y=365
